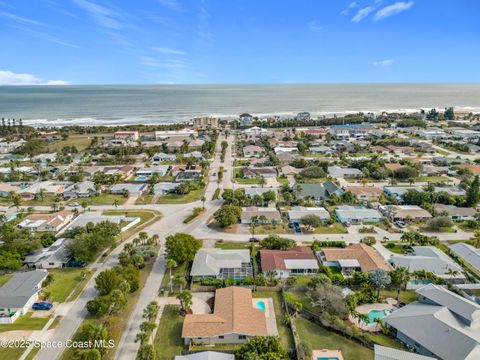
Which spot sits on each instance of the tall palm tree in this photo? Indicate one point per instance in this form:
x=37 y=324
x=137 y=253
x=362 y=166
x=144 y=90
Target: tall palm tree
x=400 y=278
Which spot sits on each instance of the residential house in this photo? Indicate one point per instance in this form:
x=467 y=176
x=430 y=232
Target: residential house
x=193 y=154
x=290 y=170
x=177 y=169
x=430 y=259
x=48 y=188
x=347 y=214
x=271 y=214
x=7 y=188
x=407 y=212
x=45 y=158
x=466 y=134
x=163 y=188
x=213 y=263
x=245 y=119
x=430 y=134
x=161 y=157
x=299 y=260
x=440 y=324
x=80 y=190
x=450 y=190
x=206 y=355
x=455 y=213
x=355 y=257
x=338 y=172
x=132 y=189
x=365 y=193
x=160 y=170
x=253 y=151
x=396 y=192
x=19 y=293
x=304 y=115
x=467 y=253
x=125 y=171
x=325 y=150
x=46 y=222
x=285 y=150
x=126 y=135
x=296 y=213
x=255 y=132
x=254 y=191
x=254 y=172
x=96 y=217
x=473 y=168
x=235 y=319
x=54 y=256
x=318 y=191
x=388 y=353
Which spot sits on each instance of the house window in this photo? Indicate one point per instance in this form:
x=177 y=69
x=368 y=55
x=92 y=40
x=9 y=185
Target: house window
x=242 y=337
x=221 y=337
x=51 y=264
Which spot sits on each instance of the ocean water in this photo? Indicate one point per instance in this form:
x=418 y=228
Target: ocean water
x=156 y=104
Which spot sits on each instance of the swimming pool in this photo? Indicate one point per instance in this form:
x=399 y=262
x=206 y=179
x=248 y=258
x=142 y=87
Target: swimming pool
x=420 y=282
x=377 y=314
x=327 y=358
x=260 y=305
x=141 y=178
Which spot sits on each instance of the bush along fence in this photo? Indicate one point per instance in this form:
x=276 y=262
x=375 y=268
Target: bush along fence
x=330 y=322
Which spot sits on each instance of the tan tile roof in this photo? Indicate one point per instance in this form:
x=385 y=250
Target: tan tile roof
x=275 y=259
x=363 y=190
x=366 y=256
x=234 y=313
x=474 y=168
x=393 y=166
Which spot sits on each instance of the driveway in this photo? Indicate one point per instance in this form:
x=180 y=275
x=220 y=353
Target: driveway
x=199 y=302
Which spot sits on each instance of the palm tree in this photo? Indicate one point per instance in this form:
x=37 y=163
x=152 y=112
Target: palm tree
x=400 y=278
x=262 y=181
x=143 y=236
x=116 y=203
x=452 y=272
x=476 y=238
x=170 y=265
x=185 y=298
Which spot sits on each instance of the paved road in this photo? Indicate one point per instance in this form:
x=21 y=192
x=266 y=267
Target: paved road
x=172 y=223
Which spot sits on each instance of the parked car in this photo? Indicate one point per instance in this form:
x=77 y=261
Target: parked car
x=74 y=204
x=254 y=239
x=400 y=224
x=42 y=305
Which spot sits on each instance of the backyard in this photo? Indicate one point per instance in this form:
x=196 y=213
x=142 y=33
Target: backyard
x=171 y=198
x=168 y=341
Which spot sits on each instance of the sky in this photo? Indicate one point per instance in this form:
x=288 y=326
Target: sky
x=60 y=42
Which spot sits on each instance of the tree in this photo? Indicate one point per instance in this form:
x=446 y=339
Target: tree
x=106 y=281
x=180 y=281
x=151 y=311
x=89 y=354
x=275 y=242
x=182 y=247
x=228 y=215
x=317 y=280
x=399 y=278
x=170 y=265
x=472 y=197
x=262 y=181
x=311 y=220
x=146 y=352
x=452 y=272
x=380 y=279
x=304 y=352
x=476 y=238
x=439 y=223
x=185 y=298
x=116 y=202
x=329 y=298
x=262 y=348
x=94 y=335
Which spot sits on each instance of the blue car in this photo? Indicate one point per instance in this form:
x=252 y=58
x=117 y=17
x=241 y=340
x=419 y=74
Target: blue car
x=42 y=305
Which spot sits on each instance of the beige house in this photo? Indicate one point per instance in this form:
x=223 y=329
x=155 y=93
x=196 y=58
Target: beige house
x=365 y=193
x=253 y=151
x=234 y=320
x=46 y=222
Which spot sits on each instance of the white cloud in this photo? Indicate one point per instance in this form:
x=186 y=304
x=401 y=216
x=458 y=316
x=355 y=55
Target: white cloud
x=385 y=62
x=169 y=64
x=393 y=9
x=20 y=19
x=362 y=13
x=103 y=16
x=350 y=6
x=314 y=26
x=10 y=78
x=168 y=51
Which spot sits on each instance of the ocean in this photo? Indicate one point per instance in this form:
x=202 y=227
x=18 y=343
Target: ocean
x=160 y=104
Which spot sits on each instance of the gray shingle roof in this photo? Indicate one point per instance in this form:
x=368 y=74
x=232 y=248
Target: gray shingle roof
x=20 y=288
x=387 y=353
x=208 y=262
x=206 y=355
x=468 y=253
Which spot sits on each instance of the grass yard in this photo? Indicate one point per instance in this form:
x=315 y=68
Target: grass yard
x=4 y=278
x=283 y=330
x=398 y=248
x=181 y=199
x=101 y=199
x=282 y=180
x=335 y=228
x=319 y=338
x=11 y=353
x=81 y=143
x=432 y=179
x=232 y=245
x=272 y=229
x=179 y=270
x=64 y=281
x=168 y=341
x=406 y=296
x=146 y=216
x=25 y=322
x=253 y=181
x=144 y=199
x=47 y=201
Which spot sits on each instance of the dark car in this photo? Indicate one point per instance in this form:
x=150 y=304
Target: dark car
x=254 y=239
x=42 y=305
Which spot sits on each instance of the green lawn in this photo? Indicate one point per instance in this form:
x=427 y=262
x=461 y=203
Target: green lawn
x=81 y=143
x=272 y=229
x=64 y=281
x=335 y=228
x=406 y=296
x=4 y=278
x=11 y=353
x=101 y=199
x=179 y=270
x=398 y=248
x=433 y=179
x=282 y=180
x=283 y=330
x=144 y=199
x=247 y=181
x=320 y=338
x=25 y=322
x=181 y=199
x=168 y=341
x=47 y=201
x=385 y=340
x=232 y=245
